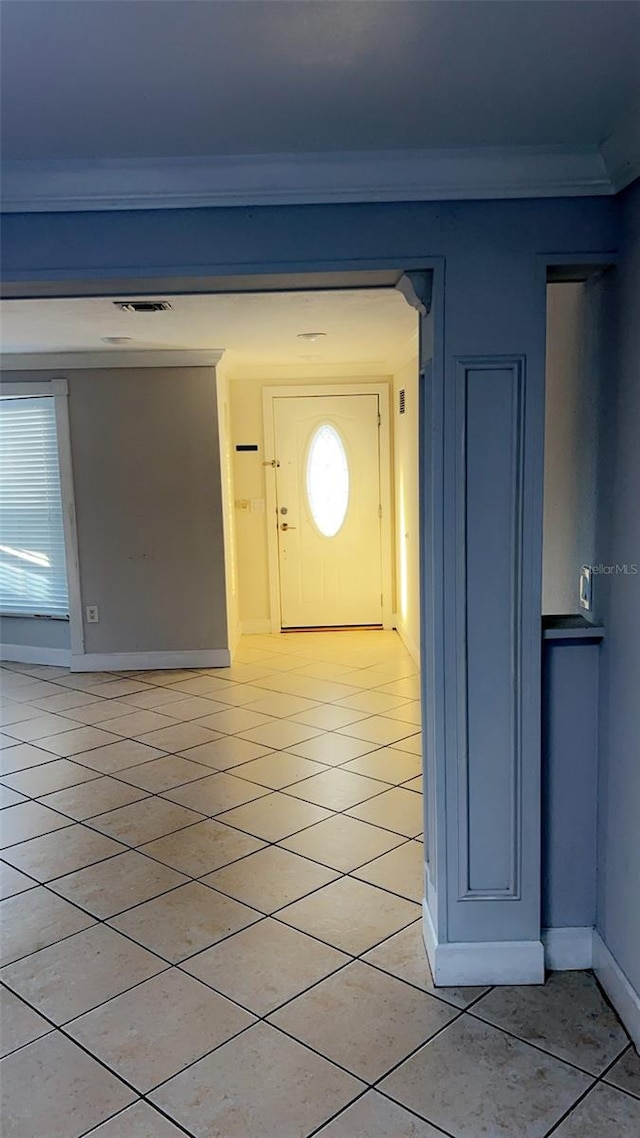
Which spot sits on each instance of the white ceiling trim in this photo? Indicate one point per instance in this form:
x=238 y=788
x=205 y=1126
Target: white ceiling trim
x=287 y=179
x=621 y=152
x=68 y=361
x=301 y=371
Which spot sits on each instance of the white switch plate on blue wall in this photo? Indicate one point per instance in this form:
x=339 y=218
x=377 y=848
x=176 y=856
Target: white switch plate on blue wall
x=585 y=588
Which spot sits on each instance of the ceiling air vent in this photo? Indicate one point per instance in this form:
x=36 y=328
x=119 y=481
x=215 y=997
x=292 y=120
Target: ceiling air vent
x=142 y=305
x=401 y=401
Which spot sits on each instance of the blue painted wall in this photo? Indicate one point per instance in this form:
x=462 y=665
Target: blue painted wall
x=569 y=781
x=494 y=306
x=618 y=601
x=198 y=242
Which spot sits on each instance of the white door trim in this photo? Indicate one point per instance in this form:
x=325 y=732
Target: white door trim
x=383 y=391
x=65 y=460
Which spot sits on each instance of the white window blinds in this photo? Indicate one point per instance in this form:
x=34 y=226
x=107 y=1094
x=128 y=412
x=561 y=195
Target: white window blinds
x=33 y=572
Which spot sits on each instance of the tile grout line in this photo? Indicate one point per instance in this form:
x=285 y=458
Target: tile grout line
x=567 y=1114
x=459 y=1013
x=180 y=752
x=120 y=1113
x=219 y=817
x=96 y=920
x=199 y=880
x=536 y=1046
x=86 y=822
x=236 y=772
x=369 y=1085
x=209 y=772
x=171 y=964
x=404 y=839
x=78 y=725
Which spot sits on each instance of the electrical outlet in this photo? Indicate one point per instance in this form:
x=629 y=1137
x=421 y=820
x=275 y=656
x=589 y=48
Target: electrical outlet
x=92 y=614
x=586 y=594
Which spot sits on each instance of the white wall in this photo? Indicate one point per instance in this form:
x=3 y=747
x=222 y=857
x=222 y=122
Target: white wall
x=249 y=477
x=570 y=444
x=405 y=466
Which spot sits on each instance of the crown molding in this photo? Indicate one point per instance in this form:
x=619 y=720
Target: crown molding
x=621 y=153
x=68 y=361
x=298 y=179
x=371 y=371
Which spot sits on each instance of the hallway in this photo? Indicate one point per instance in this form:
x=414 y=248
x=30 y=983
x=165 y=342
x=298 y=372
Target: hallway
x=212 y=919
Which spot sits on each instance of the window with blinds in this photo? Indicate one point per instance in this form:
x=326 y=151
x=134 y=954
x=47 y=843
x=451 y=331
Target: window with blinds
x=33 y=571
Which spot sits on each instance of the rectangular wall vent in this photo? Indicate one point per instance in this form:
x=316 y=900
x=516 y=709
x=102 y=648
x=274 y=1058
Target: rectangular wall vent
x=401 y=401
x=142 y=305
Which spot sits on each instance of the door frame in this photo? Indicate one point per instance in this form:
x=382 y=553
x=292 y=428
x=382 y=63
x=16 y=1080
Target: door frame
x=299 y=390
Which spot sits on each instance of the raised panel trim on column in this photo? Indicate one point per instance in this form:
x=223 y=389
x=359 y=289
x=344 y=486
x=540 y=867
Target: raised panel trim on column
x=474 y=370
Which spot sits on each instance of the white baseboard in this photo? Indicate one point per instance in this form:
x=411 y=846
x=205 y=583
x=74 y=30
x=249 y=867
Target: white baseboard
x=622 y=994
x=150 y=661
x=234 y=640
x=429 y=936
x=482 y=962
x=256 y=627
x=28 y=654
x=409 y=643
x=568 y=949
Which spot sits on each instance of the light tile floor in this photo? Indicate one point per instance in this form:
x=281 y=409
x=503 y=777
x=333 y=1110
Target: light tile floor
x=211 y=916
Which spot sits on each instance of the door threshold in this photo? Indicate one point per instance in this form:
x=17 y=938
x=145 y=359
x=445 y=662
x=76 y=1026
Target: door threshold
x=334 y=628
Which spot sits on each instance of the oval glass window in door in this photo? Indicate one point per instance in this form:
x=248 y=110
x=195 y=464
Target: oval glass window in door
x=327 y=480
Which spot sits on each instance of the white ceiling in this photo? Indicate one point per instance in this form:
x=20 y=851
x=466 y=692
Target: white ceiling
x=150 y=78
x=371 y=328
x=483 y=98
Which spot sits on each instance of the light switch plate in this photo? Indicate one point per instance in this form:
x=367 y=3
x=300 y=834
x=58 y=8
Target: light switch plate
x=586 y=597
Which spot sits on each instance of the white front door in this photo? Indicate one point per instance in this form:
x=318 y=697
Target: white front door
x=328 y=503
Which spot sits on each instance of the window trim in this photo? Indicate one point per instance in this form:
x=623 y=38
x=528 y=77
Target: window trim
x=59 y=389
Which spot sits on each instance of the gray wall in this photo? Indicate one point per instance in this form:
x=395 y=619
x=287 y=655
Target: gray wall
x=618 y=913
x=31 y=632
x=146 y=468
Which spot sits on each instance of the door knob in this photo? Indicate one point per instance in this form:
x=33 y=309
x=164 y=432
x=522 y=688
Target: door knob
x=285 y=526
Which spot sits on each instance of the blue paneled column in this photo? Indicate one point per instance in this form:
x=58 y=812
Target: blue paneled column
x=482 y=494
